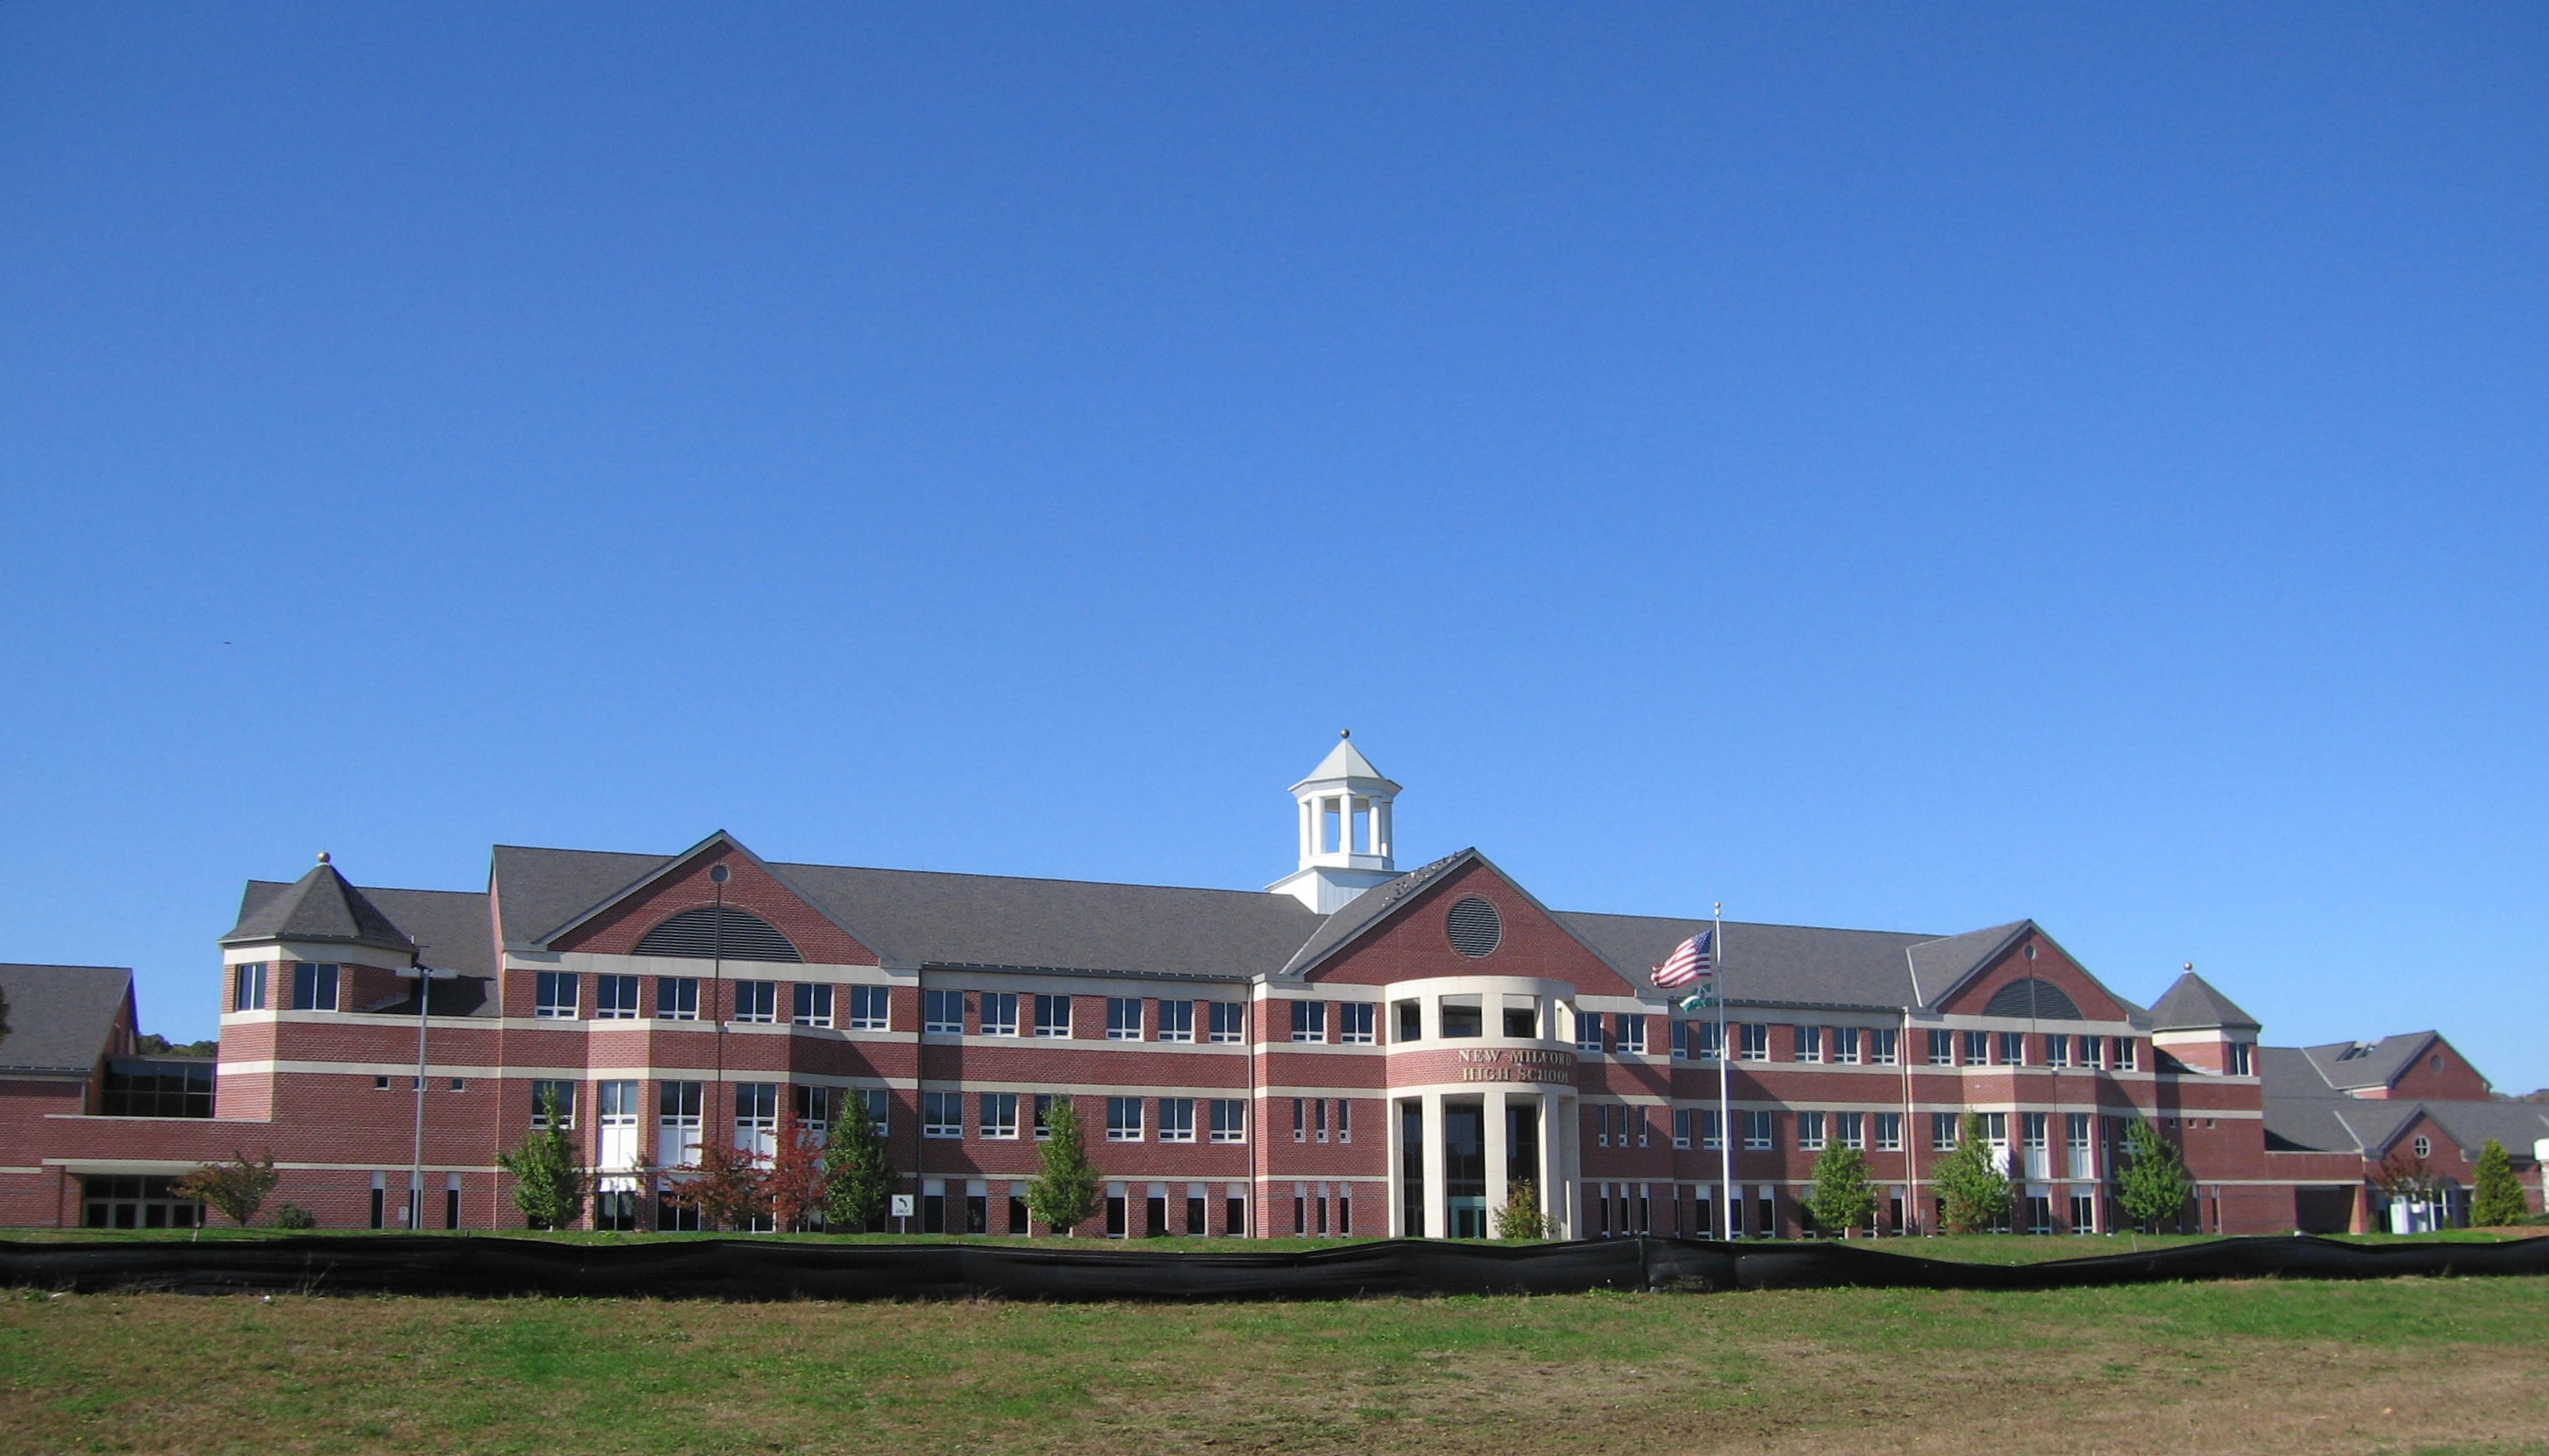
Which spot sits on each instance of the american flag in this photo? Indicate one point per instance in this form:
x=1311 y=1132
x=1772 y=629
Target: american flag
x=1688 y=961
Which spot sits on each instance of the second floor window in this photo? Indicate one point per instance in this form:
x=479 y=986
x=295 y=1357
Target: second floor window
x=1755 y=1045
x=1176 y=1119
x=1124 y=1119
x=870 y=1007
x=1844 y=1045
x=1757 y=1131
x=314 y=987
x=942 y=1113
x=1682 y=1127
x=1309 y=1020
x=553 y=995
x=1889 y=1131
x=1810 y=1043
x=2057 y=1051
x=552 y=1102
x=1588 y=1032
x=1177 y=1020
x=943 y=1012
x=1942 y=1130
x=2013 y=1049
x=1053 y=1016
x=811 y=1003
x=1943 y=1048
x=1353 y=1022
x=1881 y=1044
x=1123 y=1019
x=247 y=986
x=1977 y=1048
x=1229 y=1120
x=1809 y=1130
x=677 y=998
x=756 y=1001
x=1227 y=1020
x=1000 y=1115
x=1849 y=1129
x=614 y=998
x=1633 y=1032
x=2241 y=1062
x=999 y=1013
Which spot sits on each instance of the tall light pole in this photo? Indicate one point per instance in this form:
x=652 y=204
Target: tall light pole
x=424 y=976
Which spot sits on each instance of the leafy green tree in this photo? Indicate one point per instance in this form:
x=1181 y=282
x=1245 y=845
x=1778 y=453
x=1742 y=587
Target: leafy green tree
x=237 y=1187
x=1972 y=1191
x=2151 y=1186
x=1066 y=1190
x=858 y=1178
x=1842 y=1197
x=548 y=1183
x=2495 y=1200
x=1521 y=1216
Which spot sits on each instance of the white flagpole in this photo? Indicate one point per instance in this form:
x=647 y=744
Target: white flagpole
x=1724 y=1056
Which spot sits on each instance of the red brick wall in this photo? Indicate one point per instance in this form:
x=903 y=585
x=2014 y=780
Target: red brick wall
x=1410 y=943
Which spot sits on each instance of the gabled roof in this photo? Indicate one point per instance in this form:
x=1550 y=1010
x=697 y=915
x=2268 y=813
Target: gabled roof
x=1940 y=967
x=59 y=1016
x=2191 y=1004
x=2303 y=1110
x=1365 y=910
x=2516 y=1125
x=2352 y=1065
x=320 y=907
x=1763 y=965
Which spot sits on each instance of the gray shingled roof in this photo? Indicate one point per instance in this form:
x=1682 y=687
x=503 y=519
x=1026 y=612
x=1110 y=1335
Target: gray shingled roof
x=2304 y=1110
x=1763 y=965
x=2379 y=1064
x=2516 y=1125
x=321 y=907
x=1364 y=910
x=542 y=890
x=1941 y=965
x=59 y=1016
x=2191 y=1004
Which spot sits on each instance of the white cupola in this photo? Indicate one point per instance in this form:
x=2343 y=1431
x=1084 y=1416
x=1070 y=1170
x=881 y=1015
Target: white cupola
x=1344 y=820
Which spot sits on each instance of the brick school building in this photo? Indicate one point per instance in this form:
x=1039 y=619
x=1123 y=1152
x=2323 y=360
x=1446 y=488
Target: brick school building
x=1357 y=1050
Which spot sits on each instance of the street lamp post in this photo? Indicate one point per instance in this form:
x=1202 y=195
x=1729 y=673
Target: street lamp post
x=424 y=976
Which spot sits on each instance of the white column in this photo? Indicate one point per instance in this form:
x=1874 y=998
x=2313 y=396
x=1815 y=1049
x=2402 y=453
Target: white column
x=1310 y=821
x=1493 y=1111
x=1381 y=827
x=1436 y=1226
x=1556 y=1169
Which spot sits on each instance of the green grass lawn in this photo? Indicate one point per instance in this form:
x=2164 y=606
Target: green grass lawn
x=2405 y=1365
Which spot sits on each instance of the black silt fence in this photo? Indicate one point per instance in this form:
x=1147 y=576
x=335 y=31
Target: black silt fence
x=755 y=1269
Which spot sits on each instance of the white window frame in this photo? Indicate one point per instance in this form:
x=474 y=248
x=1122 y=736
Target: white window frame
x=677 y=998
x=942 y=1116
x=1000 y=1012
x=1123 y=1018
x=1884 y=1046
x=553 y=995
x=871 y=1008
x=1632 y=1028
x=1887 y=1135
x=1311 y=1021
x=999 y=1115
x=1811 y=1131
x=1053 y=1017
x=1229 y=1120
x=1119 y=1127
x=1760 y=1132
x=608 y=991
x=1809 y=1043
x=1844 y=1045
x=934 y=1006
x=1176 y=1119
x=811 y=1003
x=1226 y=1021
x=1177 y=1020
x=562 y=1089
x=764 y=1007
x=1753 y=1044
x=1355 y=1022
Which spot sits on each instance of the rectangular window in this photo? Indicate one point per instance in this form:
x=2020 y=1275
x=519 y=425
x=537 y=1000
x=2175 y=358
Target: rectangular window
x=2089 y=1047
x=1319 y=1118
x=878 y=1106
x=1942 y=1049
x=1124 y=1119
x=1942 y=1130
x=1229 y=1120
x=1176 y=1119
x=1000 y=1115
x=1177 y=1020
x=870 y=1007
x=2240 y=1064
x=1707 y=1040
x=1755 y=1045
x=553 y=1099
x=1849 y=1129
x=2124 y=1054
x=1977 y=1048
x=756 y=1118
x=1309 y=1020
x=1810 y=1131
x=622 y=1108
x=1711 y=1129
x=1757 y=1131
x=1844 y=1045
x=756 y=1001
x=813 y=1109
x=1681 y=1040
x=314 y=987
x=999 y=1014
x=1889 y=1131
x=1411 y=1021
x=1682 y=1127
x=1226 y=1020
x=614 y=998
x=1300 y=1120
x=1053 y=1016
x=1345 y=1121
x=677 y=998
x=943 y=1012
x=553 y=994
x=1457 y=1019
x=1123 y=1018
x=2057 y=1051
x=1588 y=1032
x=2075 y=1132
x=247 y=986
x=942 y=1113
x=1810 y=1043
x=811 y=1003
x=1632 y=1031
x=135 y=1088
x=1353 y=1022
x=2013 y=1049
x=1043 y=1104
x=1882 y=1046
x=677 y=1125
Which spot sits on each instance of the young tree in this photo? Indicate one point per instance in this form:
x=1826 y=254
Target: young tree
x=238 y=1187
x=2151 y=1186
x=1066 y=1190
x=1842 y=1198
x=792 y=1184
x=1521 y=1216
x=1973 y=1191
x=548 y=1183
x=858 y=1179
x=726 y=1186
x=2496 y=1199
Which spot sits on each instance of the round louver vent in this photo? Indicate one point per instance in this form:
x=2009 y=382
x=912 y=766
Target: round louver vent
x=1473 y=928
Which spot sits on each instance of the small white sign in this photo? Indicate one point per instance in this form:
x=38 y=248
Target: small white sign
x=902 y=1205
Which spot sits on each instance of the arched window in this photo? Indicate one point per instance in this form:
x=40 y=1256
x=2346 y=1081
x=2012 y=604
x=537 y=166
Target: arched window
x=735 y=935
x=2039 y=1000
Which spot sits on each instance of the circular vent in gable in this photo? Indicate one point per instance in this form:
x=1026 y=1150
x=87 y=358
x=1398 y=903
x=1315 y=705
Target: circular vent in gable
x=1473 y=928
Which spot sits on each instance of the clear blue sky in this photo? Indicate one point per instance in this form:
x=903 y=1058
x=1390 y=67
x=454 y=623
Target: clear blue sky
x=1900 y=468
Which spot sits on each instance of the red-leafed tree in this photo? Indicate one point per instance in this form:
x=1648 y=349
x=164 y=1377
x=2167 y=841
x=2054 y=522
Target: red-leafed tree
x=792 y=1184
x=724 y=1185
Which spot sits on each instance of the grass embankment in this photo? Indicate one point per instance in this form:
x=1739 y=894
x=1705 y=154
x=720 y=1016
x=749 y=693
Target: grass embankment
x=2408 y=1365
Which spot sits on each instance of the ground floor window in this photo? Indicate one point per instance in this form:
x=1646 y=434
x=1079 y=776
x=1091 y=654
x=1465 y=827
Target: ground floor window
x=121 y=1201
